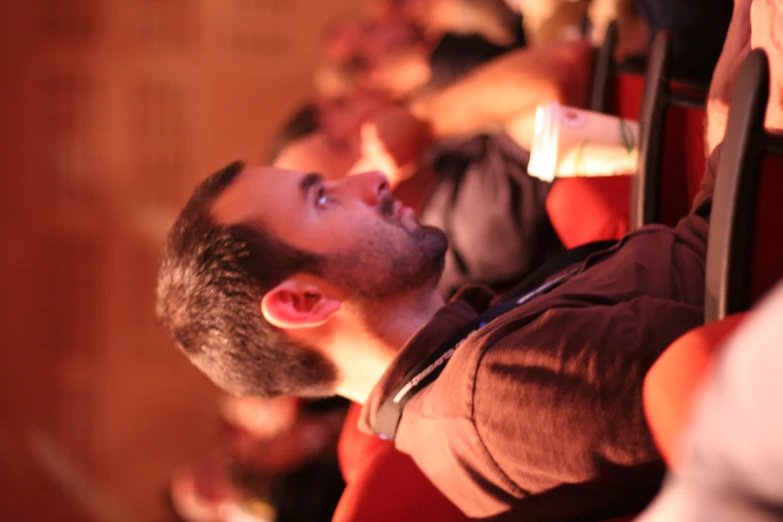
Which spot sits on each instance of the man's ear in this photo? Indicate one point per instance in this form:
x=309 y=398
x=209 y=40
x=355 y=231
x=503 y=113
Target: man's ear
x=297 y=304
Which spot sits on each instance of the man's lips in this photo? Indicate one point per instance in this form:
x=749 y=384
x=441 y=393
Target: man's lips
x=400 y=210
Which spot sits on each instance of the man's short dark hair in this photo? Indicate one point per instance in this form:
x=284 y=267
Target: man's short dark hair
x=211 y=280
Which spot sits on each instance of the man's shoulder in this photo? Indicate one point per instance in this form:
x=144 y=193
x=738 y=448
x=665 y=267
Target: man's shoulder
x=493 y=351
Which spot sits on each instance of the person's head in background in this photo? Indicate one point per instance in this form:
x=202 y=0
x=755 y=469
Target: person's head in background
x=490 y=19
x=270 y=279
x=766 y=32
x=360 y=132
x=384 y=54
x=339 y=118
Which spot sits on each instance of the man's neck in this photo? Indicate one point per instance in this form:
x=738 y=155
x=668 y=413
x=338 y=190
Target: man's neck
x=366 y=351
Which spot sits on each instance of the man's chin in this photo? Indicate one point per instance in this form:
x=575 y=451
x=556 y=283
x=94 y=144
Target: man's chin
x=435 y=245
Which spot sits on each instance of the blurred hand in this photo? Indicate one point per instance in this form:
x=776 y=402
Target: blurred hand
x=393 y=143
x=435 y=17
x=261 y=418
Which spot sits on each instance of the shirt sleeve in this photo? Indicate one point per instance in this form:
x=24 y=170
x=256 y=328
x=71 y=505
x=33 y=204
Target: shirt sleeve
x=560 y=408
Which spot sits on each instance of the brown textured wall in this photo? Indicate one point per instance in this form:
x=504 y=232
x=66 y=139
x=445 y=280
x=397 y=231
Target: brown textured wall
x=111 y=110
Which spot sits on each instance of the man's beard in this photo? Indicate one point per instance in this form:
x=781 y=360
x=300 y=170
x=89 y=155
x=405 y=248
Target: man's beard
x=379 y=268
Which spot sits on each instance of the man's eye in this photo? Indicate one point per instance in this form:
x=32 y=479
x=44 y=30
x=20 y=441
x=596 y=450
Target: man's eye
x=322 y=198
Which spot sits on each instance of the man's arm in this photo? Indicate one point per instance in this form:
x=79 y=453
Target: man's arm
x=508 y=88
x=504 y=92
x=557 y=430
x=735 y=50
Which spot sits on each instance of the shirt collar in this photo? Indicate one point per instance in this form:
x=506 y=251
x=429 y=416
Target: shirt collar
x=466 y=304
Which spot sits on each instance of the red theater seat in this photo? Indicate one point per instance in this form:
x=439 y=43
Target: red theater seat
x=683 y=162
x=672 y=383
x=672 y=165
x=384 y=485
x=627 y=91
x=671 y=149
x=745 y=255
x=767 y=254
x=583 y=210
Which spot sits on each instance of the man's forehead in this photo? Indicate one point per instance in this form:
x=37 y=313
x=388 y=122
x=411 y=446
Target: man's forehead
x=251 y=193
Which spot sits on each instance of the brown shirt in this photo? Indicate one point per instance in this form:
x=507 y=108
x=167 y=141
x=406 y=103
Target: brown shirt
x=538 y=415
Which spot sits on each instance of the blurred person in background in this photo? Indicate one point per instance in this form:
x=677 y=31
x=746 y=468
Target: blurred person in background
x=697 y=27
x=547 y=21
x=274 y=460
x=490 y=19
x=400 y=49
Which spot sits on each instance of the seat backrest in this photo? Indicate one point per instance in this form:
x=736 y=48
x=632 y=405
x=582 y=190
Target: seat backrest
x=671 y=142
x=683 y=163
x=745 y=255
x=671 y=117
x=766 y=267
x=627 y=91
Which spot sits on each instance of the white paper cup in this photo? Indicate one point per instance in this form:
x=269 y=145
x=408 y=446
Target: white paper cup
x=570 y=142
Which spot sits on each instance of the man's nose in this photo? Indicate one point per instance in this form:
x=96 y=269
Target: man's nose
x=371 y=186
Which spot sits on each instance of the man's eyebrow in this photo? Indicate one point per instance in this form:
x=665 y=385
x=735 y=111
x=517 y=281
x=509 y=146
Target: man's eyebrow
x=308 y=182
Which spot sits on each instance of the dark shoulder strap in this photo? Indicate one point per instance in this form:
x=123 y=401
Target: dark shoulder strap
x=555 y=265
x=427 y=370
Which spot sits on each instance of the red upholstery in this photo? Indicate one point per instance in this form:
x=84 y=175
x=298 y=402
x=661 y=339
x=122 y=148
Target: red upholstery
x=593 y=209
x=683 y=163
x=384 y=485
x=683 y=147
x=767 y=260
x=627 y=91
x=671 y=384
x=589 y=209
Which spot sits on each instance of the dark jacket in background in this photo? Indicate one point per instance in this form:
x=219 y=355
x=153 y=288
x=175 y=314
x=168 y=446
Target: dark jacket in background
x=492 y=211
x=456 y=55
x=697 y=29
